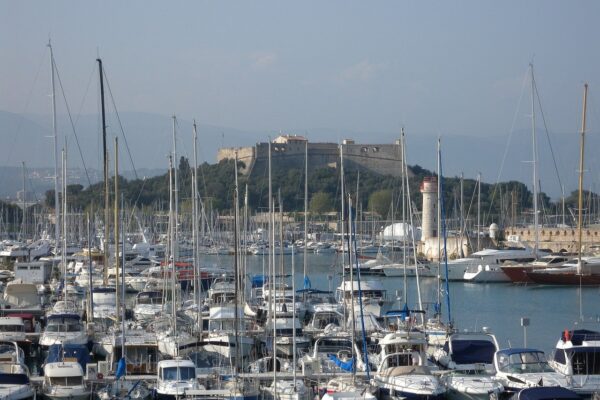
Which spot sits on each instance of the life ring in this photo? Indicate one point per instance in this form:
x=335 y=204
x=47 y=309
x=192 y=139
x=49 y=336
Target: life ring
x=100 y=375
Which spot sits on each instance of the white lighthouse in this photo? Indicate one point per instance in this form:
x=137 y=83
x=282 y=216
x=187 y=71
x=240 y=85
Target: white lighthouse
x=429 y=217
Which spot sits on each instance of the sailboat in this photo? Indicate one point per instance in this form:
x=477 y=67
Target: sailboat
x=586 y=270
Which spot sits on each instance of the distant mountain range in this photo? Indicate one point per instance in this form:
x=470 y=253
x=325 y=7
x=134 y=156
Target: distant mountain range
x=149 y=141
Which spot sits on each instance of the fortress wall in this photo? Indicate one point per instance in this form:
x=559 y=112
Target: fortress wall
x=247 y=155
x=384 y=159
x=556 y=239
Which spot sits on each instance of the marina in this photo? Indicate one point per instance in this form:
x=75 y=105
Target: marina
x=269 y=201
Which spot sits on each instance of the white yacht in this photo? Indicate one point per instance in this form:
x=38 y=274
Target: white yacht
x=141 y=350
x=64 y=381
x=175 y=377
x=12 y=329
x=348 y=388
x=577 y=358
x=288 y=389
x=221 y=336
x=520 y=368
x=485 y=265
x=22 y=297
x=334 y=352
x=403 y=371
x=148 y=304
x=285 y=325
x=14 y=375
x=373 y=297
x=64 y=329
x=104 y=300
x=468 y=360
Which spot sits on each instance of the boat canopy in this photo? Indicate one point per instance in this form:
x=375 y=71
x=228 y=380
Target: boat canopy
x=70 y=352
x=577 y=336
x=473 y=351
x=547 y=393
x=14 y=379
x=517 y=350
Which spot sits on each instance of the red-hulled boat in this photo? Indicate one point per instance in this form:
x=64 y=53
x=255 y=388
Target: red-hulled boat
x=518 y=272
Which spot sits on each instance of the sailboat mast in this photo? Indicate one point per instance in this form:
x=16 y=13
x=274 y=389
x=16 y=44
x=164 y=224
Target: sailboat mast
x=64 y=205
x=176 y=195
x=55 y=143
x=439 y=224
x=195 y=238
x=105 y=161
x=535 y=171
x=236 y=272
x=305 y=261
x=581 y=154
x=404 y=230
x=24 y=205
x=343 y=222
x=478 y=211
x=116 y=222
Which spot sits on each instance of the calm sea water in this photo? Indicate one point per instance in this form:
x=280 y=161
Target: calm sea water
x=499 y=307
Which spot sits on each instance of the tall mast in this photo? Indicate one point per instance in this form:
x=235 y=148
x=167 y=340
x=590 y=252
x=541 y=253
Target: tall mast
x=116 y=222
x=24 y=205
x=105 y=161
x=236 y=273
x=64 y=205
x=197 y=277
x=342 y=225
x=581 y=154
x=171 y=259
x=55 y=142
x=439 y=224
x=271 y=241
x=535 y=171
x=404 y=230
x=176 y=195
x=478 y=210
x=462 y=214
x=305 y=261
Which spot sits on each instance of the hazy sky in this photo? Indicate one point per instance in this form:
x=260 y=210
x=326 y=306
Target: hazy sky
x=436 y=67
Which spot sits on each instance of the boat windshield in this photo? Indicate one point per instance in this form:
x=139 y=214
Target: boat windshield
x=528 y=362
x=67 y=327
x=14 y=379
x=66 y=381
x=178 y=373
x=11 y=328
x=333 y=346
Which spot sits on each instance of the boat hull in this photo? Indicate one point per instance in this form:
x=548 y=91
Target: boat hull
x=567 y=279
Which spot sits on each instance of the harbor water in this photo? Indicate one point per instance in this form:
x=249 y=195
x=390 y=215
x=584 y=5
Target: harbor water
x=497 y=306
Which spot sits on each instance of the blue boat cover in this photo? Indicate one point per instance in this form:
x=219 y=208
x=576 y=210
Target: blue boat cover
x=579 y=335
x=546 y=393
x=259 y=280
x=307 y=284
x=344 y=365
x=63 y=316
x=14 y=379
x=58 y=352
x=121 y=368
x=473 y=351
x=313 y=291
x=518 y=350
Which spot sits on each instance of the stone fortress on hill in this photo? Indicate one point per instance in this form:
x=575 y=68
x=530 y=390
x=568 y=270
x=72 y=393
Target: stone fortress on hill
x=288 y=151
